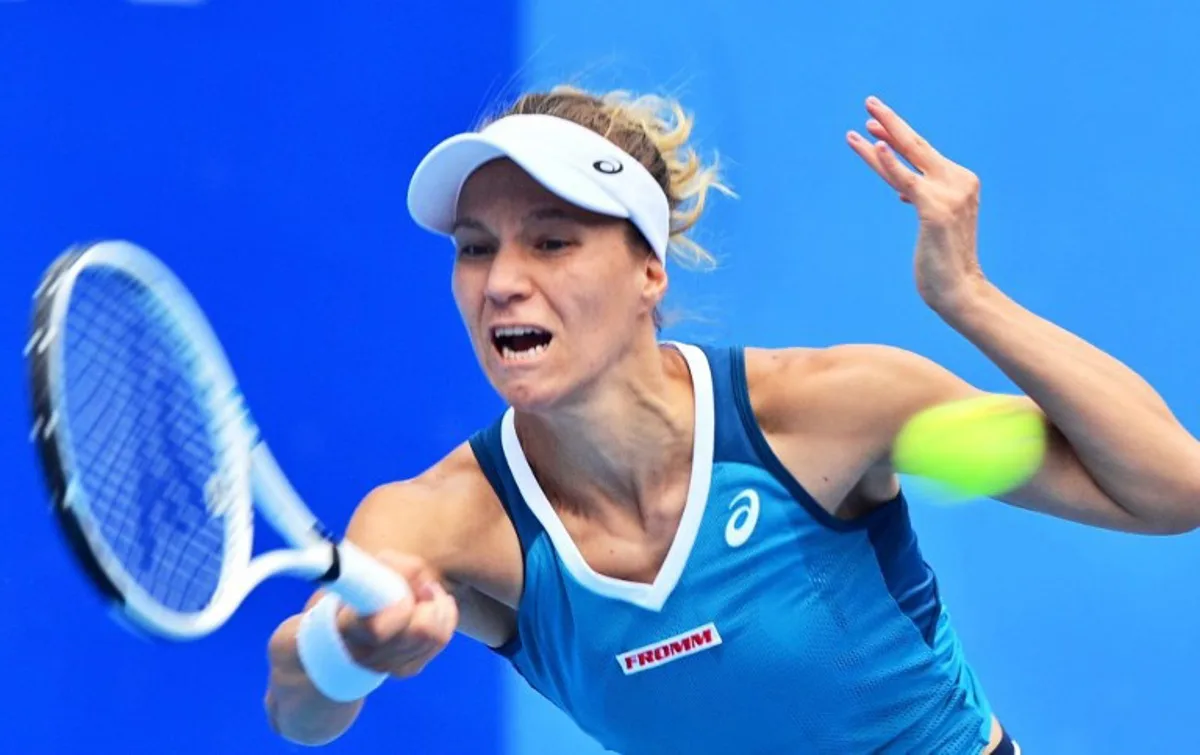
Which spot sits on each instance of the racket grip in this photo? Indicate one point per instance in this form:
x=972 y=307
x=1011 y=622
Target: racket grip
x=365 y=584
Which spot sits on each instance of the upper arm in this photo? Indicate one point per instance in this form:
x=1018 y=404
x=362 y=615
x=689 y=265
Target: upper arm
x=865 y=394
x=451 y=519
x=860 y=393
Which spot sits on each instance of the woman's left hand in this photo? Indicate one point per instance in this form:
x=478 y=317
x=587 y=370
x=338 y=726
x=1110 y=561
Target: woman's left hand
x=945 y=194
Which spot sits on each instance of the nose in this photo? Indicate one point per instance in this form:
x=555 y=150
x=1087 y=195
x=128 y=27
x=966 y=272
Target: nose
x=508 y=277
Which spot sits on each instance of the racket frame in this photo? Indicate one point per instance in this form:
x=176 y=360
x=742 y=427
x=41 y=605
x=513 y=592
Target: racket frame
x=250 y=473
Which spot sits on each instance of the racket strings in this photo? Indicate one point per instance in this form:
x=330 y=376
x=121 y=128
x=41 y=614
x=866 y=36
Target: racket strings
x=141 y=431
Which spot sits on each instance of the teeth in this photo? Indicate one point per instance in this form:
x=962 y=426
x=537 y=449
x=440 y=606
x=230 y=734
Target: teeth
x=517 y=330
x=517 y=356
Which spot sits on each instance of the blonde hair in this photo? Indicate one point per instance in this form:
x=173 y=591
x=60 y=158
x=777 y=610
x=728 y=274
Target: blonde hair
x=654 y=131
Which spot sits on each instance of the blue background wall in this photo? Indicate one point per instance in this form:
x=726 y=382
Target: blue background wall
x=263 y=150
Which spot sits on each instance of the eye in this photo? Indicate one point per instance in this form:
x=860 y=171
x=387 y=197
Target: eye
x=473 y=250
x=553 y=245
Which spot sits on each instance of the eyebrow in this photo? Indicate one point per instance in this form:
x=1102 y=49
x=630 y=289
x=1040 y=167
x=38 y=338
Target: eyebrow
x=541 y=213
x=471 y=223
x=548 y=213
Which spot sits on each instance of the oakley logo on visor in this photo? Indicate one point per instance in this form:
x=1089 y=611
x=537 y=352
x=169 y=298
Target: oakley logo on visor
x=610 y=167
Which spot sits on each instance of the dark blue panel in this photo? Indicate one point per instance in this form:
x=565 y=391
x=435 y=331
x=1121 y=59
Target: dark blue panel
x=262 y=149
x=908 y=578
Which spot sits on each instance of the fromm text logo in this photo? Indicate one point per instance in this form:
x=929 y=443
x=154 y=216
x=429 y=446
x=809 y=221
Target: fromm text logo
x=670 y=649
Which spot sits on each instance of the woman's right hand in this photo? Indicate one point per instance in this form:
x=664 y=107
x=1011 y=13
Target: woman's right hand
x=404 y=637
x=399 y=640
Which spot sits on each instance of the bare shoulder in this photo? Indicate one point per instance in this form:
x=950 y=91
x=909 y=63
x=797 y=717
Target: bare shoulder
x=452 y=518
x=831 y=414
x=801 y=386
x=859 y=395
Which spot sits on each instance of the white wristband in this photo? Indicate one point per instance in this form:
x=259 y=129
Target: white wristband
x=327 y=660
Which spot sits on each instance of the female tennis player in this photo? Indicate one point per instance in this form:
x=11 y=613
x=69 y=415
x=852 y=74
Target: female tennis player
x=695 y=549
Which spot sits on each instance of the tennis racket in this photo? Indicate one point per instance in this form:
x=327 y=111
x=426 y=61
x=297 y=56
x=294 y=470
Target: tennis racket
x=152 y=460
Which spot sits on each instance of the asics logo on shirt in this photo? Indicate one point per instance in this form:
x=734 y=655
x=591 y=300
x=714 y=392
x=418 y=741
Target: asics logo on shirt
x=743 y=519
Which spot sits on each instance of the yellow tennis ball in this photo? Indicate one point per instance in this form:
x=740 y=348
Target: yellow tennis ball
x=979 y=447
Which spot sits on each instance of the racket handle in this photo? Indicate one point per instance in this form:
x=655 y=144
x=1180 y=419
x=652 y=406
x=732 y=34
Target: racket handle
x=368 y=587
x=364 y=583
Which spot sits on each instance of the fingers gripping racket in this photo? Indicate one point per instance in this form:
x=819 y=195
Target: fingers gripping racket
x=154 y=464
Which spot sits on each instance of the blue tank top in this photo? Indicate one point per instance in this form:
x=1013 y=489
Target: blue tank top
x=772 y=626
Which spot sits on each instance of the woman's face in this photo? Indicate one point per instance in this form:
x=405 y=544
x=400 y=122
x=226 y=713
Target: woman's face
x=551 y=294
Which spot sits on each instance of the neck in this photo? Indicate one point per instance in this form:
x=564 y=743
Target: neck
x=625 y=443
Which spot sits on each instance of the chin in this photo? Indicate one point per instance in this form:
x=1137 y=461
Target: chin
x=524 y=391
x=529 y=386
x=528 y=396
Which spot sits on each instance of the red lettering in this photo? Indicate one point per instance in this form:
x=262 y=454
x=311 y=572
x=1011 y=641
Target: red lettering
x=698 y=639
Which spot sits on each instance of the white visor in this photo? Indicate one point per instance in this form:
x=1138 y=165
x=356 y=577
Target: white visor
x=574 y=162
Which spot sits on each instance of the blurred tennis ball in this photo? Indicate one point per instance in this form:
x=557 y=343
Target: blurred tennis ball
x=975 y=448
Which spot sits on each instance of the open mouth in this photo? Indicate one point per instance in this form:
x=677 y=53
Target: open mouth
x=517 y=342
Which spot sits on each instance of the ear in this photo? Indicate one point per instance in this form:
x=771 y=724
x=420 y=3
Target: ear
x=654 y=282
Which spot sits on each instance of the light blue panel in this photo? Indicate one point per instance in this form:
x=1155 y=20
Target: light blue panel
x=1080 y=120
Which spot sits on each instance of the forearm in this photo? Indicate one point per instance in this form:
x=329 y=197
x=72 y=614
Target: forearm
x=1122 y=431
x=295 y=709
